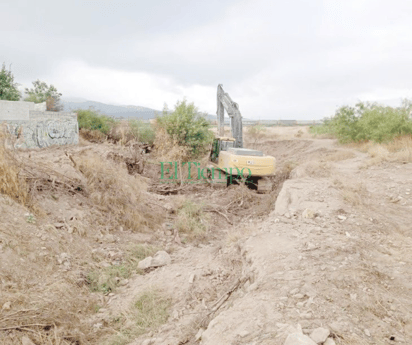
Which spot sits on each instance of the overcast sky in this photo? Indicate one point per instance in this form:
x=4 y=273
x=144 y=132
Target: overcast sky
x=276 y=59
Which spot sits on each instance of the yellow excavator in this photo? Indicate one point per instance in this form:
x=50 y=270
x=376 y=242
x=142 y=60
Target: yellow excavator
x=229 y=161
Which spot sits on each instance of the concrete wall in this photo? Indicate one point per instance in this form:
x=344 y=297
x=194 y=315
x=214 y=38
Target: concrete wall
x=32 y=128
x=40 y=106
x=12 y=110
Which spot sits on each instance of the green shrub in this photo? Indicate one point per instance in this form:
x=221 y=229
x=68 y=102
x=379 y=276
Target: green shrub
x=141 y=131
x=368 y=122
x=90 y=119
x=8 y=88
x=187 y=127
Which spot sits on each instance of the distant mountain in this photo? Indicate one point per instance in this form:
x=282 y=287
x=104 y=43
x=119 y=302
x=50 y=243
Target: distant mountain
x=124 y=111
x=112 y=110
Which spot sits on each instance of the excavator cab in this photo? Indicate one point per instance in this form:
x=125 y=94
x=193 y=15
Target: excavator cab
x=220 y=144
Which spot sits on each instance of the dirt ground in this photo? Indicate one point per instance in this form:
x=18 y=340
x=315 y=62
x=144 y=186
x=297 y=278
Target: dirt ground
x=330 y=247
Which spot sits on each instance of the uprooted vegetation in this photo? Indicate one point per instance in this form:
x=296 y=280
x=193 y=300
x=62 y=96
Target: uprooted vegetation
x=53 y=216
x=117 y=193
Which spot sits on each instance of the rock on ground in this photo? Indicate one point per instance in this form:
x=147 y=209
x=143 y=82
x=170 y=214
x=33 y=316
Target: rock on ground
x=298 y=339
x=319 y=335
x=26 y=341
x=329 y=341
x=161 y=258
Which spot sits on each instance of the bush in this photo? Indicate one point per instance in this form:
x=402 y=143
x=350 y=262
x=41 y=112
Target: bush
x=368 y=122
x=187 y=127
x=91 y=120
x=141 y=131
x=8 y=88
x=41 y=92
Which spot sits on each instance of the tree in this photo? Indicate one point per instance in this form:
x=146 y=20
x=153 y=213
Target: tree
x=188 y=127
x=41 y=92
x=8 y=88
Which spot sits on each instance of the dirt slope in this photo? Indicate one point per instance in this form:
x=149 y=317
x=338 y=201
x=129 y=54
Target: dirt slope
x=330 y=248
x=333 y=253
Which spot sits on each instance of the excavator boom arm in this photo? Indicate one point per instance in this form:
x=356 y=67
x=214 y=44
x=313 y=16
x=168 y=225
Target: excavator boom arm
x=224 y=102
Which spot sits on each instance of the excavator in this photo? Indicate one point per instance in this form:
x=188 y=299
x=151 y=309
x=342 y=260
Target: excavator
x=229 y=161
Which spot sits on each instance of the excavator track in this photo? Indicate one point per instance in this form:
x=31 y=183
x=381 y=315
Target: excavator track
x=216 y=177
x=264 y=185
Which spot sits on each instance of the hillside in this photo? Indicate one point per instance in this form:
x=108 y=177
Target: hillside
x=112 y=110
x=125 y=111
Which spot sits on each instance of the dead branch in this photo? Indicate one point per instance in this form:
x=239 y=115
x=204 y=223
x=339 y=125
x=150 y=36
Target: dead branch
x=218 y=212
x=218 y=304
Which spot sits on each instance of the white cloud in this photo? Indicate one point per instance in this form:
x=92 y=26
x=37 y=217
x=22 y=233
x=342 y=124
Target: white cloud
x=129 y=88
x=277 y=59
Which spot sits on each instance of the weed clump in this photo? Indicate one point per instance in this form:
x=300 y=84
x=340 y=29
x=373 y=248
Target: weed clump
x=148 y=312
x=152 y=310
x=192 y=220
x=107 y=279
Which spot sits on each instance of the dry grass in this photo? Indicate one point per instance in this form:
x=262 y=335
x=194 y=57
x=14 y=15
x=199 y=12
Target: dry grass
x=23 y=179
x=299 y=134
x=241 y=198
x=318 y=169
x=399 y=150
x=353 y=192
x=255 y=134
x=236 y=233
x=168 y=149
x=52 y=315
x=340 y=155
x=46 y=304
x=11 y=182
x=115 y=191
x=149 y=311
x=192 y=221
x=93 y=136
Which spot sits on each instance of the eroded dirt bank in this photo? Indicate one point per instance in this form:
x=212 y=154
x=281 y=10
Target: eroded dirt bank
x=329 y=248
x=333 y=253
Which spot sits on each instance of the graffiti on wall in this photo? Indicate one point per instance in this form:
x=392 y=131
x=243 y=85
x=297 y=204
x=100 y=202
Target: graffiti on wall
x=44 y=133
